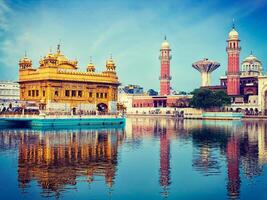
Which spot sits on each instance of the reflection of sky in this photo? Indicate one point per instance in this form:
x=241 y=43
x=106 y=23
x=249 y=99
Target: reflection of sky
x=132 y=32
x=199 y=157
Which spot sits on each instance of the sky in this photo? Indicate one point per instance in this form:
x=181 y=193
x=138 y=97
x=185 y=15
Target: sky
x=132 y=31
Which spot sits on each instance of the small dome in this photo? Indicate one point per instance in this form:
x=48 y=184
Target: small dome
x=251 y=65
x=25 y=60
x=62 y=58
x=233 y=35
x=50 y=56
x=251 y=58
x=90 y=67
x=110 y=64
x=165 y=45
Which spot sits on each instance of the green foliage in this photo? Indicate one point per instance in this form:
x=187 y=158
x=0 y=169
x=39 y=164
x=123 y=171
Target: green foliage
x=205 y=98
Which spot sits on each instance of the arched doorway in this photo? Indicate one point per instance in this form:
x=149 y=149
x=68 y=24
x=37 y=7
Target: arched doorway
x=101 y=107
x=265 y=102
x=73 y=111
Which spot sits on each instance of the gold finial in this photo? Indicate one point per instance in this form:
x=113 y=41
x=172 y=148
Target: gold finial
x=90 y=59
x=111 y=56
x=251 y=52
x=58 y=47
x=165 y=37
x=25 y=54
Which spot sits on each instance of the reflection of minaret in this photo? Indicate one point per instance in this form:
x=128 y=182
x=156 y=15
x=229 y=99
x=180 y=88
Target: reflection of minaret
x=233 y=185
x=164 y=161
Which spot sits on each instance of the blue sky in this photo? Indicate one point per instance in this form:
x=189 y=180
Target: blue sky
x=132 y=31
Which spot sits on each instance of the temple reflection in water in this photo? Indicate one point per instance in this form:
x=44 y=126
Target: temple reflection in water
x=56 y=159
x=59 y=159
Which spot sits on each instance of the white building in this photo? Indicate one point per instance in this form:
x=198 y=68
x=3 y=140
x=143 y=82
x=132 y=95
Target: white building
x=9 y=90
x=125 y=99
x=251 y=66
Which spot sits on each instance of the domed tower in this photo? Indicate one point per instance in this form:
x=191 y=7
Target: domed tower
x=49 y=60
x=165 y=77
x=110 y=65
x=233 y=74
x=251 y=66
x=90 y=66
x=25 y=63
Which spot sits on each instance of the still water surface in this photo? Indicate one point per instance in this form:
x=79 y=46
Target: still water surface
x=150 y=158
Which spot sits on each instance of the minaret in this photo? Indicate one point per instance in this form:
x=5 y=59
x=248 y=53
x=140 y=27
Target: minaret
x=233 y=74
x=165 y=77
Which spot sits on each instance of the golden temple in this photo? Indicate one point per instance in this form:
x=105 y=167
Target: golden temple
x=57 y=85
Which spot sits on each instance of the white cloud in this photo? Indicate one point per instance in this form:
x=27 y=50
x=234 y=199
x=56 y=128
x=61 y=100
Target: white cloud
x=4 y=10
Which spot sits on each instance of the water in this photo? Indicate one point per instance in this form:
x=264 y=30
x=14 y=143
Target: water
x=150 y=159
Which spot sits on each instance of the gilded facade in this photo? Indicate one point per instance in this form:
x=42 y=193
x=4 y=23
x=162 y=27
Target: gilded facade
x=58 y=85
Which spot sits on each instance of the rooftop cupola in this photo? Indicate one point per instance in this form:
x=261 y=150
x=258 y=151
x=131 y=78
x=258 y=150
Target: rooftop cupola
x=25 y=63
x=110 y=64
x=90 y=66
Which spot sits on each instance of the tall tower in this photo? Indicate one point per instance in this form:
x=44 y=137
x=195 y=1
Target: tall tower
x=233 y=73
x=165 y=77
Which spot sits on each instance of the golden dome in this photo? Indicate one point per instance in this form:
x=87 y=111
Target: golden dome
x=25 y=62
x=25 y=59
x=62 y=58
x=50 y=56
x=90 y=67
x=233 y=35
x=110 y=64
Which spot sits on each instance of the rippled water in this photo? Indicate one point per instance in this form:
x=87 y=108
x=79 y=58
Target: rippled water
x=151 y=158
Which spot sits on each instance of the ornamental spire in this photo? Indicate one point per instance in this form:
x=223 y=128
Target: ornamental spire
x=58 y=48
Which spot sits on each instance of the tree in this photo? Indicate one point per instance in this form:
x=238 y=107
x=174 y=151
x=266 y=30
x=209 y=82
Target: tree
x=182 y=93
x=205 y=98
x=222 y=99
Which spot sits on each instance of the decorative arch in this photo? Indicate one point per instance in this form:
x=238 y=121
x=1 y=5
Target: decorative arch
x=102 y=107
x=263 y=100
